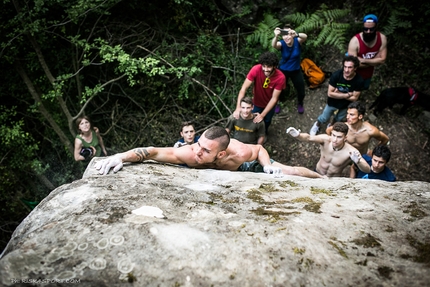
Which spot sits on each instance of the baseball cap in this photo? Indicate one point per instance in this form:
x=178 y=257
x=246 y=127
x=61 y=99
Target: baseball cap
x=370 y=18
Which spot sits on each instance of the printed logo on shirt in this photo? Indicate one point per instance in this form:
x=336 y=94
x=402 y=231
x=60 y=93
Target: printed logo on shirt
x=239 y=129
x=343 y=88
x=369 y=55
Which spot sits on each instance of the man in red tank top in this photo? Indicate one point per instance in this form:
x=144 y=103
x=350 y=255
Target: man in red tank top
x=370 y=47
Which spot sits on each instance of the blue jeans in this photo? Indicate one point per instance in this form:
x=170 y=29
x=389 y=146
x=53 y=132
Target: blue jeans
x=329 y=111
x=268 y=118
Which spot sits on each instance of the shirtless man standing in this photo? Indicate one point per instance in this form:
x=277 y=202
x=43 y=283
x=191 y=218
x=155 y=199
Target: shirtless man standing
x=360 y=133
x=336 y=153
x=214 y=150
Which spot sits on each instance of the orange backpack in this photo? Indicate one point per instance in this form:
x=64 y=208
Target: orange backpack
x=315 y=76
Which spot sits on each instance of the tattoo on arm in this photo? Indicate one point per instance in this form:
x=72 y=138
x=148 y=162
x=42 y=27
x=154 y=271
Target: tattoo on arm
x=141 y=153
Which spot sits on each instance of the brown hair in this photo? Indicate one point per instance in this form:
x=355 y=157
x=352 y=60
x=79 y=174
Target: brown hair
x=187 y=123
x=247 y=100
x=220 y=135
x=352 y=59
x=79 y=120
x=341 y=127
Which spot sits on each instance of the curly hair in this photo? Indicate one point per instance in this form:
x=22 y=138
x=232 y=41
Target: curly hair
x=353 y=59
x=340 y=127
x=269 y=59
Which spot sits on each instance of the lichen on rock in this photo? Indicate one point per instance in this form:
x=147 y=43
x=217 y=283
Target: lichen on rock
x=224 y=228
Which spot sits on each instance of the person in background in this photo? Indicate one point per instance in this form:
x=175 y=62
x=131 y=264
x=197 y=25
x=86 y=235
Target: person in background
x=88 y=143
x=345 y=86
x=370 y=46
x=360 y=132
x=378 y=169
x=213 y=150
x=244 y=129
x=290 y=46
x=188 y=134
x=336 y=153
x=268 y=83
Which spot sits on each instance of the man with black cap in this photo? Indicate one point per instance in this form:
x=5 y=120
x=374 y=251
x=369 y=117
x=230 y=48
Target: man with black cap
x=370 y=47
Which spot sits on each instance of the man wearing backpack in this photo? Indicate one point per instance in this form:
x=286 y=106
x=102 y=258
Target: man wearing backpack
x=345 y=86
x=290 y=46
x=370 y=47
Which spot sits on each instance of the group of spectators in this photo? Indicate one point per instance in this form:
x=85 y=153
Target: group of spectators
x=347 y=135
x=239 y=145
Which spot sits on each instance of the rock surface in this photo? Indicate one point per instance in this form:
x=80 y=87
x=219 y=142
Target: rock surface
x=161 y=225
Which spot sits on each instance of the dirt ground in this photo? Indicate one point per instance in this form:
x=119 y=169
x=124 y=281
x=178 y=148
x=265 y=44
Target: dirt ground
x=408 y=134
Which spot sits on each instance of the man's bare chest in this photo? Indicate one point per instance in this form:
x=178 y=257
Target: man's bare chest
x=358 y=137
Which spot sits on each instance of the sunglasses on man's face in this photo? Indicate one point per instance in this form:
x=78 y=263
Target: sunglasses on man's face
x=369 y=29
x=266 y=83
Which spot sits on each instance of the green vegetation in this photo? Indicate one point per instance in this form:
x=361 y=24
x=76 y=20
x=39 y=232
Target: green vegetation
x=415 y=212
x=311 y=205
x=367 y=241
x=273 y=215
x=298 y=250
x=315 y=190
x=287 y=183
x=340 y=250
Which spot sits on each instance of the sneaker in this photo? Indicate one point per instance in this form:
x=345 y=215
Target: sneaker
x=314 y=129
x=277 y=109
x=300 y=109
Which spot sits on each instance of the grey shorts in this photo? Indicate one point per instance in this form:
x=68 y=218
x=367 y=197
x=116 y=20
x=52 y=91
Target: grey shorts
x=252 y=166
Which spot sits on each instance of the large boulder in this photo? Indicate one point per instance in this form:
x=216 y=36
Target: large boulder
x=162 y=225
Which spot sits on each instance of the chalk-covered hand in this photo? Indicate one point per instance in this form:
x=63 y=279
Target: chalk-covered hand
x=270 y=169
x=355 y=156
x=105 y=165
x=179 y=144
x=293 y=132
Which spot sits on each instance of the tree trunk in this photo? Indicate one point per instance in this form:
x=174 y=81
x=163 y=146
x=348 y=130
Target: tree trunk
x=46 y=114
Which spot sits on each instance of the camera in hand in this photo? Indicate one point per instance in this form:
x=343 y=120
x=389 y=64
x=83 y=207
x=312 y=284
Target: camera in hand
x=284 y=32
x=86 y=152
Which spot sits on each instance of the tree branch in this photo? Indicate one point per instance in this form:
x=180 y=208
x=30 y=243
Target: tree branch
x=192 y=79
x=64 y=139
